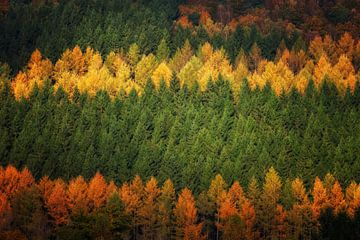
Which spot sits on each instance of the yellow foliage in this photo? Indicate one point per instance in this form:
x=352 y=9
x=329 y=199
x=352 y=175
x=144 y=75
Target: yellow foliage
x=322 y=70
x=163 y=72
x=188 y=74
x=216 y=65
x=144 y=69
x=38 y=70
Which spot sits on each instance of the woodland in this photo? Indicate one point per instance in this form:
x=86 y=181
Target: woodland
x=179 y=119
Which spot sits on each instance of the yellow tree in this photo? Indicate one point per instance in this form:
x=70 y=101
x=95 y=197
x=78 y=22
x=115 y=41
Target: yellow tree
x=300 y=215
x=216 y=65
x=301 y=80
x=68 y=69
x=181 y=57
x=344 y=74
x=321 y=71
x=240 y=73
x=330 y=48
x=162 y=73
x=189 y=73
x=38 y=70
x=144 y=69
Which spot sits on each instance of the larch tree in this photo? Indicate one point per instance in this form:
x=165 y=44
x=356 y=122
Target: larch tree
x=149 y=209
x=144 y=69
x=166 y=205
x=269 y=207
x=76 y=196
x=344 y=74
x=5 y=211
x=38 y=70
x=56 y=203
x=132 y=197
x=186 y=217
x=352 y=198
x=189 y=73
x=217 y=194
x=346 y=45
x=181 y=57
x=97 y=191
x=320 y=198
x=322 y=70
x=336 y=199
x=162 y=73
x=316 y=48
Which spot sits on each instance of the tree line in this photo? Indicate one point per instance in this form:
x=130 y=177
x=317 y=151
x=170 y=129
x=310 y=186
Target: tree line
x=81 y=209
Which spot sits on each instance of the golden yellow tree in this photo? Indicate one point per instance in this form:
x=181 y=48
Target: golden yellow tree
x=162 y=73
x=181 y=57
x=189 y=73
x=144 y=69
x=38 y=70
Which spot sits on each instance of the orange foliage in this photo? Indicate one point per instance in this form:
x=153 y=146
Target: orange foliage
x=76 y=196
x=56 y=203
x=97 y=191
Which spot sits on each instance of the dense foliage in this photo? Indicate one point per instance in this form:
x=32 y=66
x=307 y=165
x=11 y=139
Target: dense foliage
x=97 y=96
x=95 y=209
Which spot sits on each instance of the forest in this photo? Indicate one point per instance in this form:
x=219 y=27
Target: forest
x=179 y=119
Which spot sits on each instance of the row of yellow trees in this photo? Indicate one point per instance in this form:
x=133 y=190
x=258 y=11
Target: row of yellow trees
x=258 y=213
x=88 y=72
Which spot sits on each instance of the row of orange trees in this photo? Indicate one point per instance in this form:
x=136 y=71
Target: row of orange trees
x=270 y=211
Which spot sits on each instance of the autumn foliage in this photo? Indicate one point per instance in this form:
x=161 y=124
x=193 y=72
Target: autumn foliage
x=153 y=211
x=326 y=60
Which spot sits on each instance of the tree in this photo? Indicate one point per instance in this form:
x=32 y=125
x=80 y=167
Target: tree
x=186 y=217
x=144 y=69
x=133 y=55
x=217 y=194
x=321 y=71
x=162 y=73
x=163 y=51
x=97 y=192
x=336 y=198
x=149 y=209
x=189 y=73
x=181 y=57
x=37 y=72
x=76 y=196
x=56 y=203
x=320 y=198
x=132 y=197
x=166 y=204
x=269 y=208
